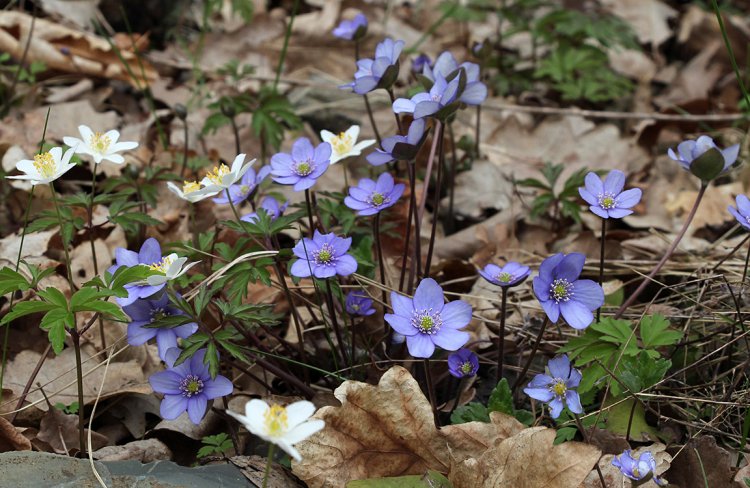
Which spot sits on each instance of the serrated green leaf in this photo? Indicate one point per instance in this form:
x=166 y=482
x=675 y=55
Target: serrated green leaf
x=12 y=281
x=472 y=412
x=501 y=398
x=26 y=308
x=655 y=332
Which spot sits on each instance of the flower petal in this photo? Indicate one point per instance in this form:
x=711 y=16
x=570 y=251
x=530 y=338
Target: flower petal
x=150 y=252
x=298 y=412
x=456 y=314
x=420 y=345
x=218 y=387
x=450 y=339
x=196 y=408
x=559 y=367
x=570 y=266
x=402 y=305
x=166 y=382
x=172 y=406
x=629 y=198
x=614 y=182
x=573 y=401
x=428 y=295
x=303 y=431
x=540 y=394
x=576 y=314
x=589 y=293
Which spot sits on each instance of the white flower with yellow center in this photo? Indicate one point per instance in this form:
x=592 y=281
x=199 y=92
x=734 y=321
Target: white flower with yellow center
x=345 y=145
x=283 y=426
x=99 y=146
x=191 y=191
x=169 y=268
x=222 y=176
x=45 y=167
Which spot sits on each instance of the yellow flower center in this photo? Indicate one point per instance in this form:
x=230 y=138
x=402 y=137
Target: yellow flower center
x=377 y=199
x=324 y=256
x=342 y=143
x=505 y=277
x=217 y=174
x=467 y=367
x=190 y=187
x=45 y=164
x=559 y=387
x=276 y=421
x=100 y=142
x=426 y=323
x=162 y=265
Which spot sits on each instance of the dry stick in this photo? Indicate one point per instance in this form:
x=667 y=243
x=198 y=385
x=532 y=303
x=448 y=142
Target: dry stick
x=631 y=299
x=416 y=263
x=747 y=261
x=436 y=207
x=501 y=336
x=452 y=178
x=601 y=265
x=431 y=390
x=29 y=382
x=379 y=248
x=526 y=367
x=92 y=238
x=588 y=441
x=309 y=212
x=731 y=253
x=335 y=323
x=428 y=172
x=236 y=131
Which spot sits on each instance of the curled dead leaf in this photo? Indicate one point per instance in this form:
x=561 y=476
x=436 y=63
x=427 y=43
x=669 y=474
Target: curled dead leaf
x=11 y=439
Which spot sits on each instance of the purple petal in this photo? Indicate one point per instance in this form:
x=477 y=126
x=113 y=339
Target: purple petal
x=541 y=288
x=570 y=266
x=420 y=345
x=614 y=182
x=594 y=184
x=456 y=314
x=400 y=324
x=196 y=408
x=588 y=196
x=167 y=382
x=172 y=406
x=685 y=148
x=743 y=204
x=379 y=158
x=166 y=339
x=323 y=154
x=618 y=213
x=150 y=252
x=218 y=387
x=576 y=314
x=302 y=150
x=559 y=367
x=428 y=295
x=629 y=198
x=740 y=218
x=589 y=293
x=552 y=309
x=549 y=264
x=139 y=311
x=573 y=401
x=125 y=257
x=424 y=109
x=324 y=271
x=474 y=93
x=541 y=381
x=346 y=265
x=138 y=334
x=340 y=245
x=301 y=268
x=403 y=105
x=384 y=184
x=730 y=155
x=365 y=84
x=575 y=378
x=198 y=365
x=450 y=339
x=540 y=394
x=555 y=408
x=402 y=305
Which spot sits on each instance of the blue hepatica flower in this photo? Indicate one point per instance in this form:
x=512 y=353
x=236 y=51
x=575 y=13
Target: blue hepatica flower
x=418 y=64
x=370 y=197
x=358 y=303
x=474 y=93
x=427 y=321
x=323 y=256
x=188 y=387
x=270 y=206
x=463 y=363
x=511 y=274
x=643 y=468
x=742 y=212
x=399 y=147
x=559 y=290
x=143 y=312
x=424 y=104
x=352 y=29
x=688 y=151
x=606 y=199
x=149 y=255
x=380 y=72
x=241 y=190
x=303 y=166
x=557 y=388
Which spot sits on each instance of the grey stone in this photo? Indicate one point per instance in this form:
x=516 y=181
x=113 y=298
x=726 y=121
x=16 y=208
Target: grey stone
x=24 y=469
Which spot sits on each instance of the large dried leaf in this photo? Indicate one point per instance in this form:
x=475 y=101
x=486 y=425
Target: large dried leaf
x=528 y=460
x=11 y=439
x=60 y=431
x=388 y=430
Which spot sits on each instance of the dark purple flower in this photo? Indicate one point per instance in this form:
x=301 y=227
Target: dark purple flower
x=424 y=104
x=427 y=321
x=606 y=198
x=240 y=191
x=557 y=388
x=742 y=212
x=463 y=363
x=399 y=147
x=357 y=303
x=352 y=29
x=303 y=166
x=149 y=255
x=418 y=64
x=689 y=151
x=143 y=312
x=271 y=207
x=380 y=72
x=188 y=386
x=511 y=274
x=474 y=93
x=643 y=468
x=323 y=256
x=370 y=197
x=559 y=290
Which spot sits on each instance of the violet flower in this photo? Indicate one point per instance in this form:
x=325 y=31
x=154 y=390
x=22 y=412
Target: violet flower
x=441 y=95
x=557 y=388
x=370 y=197
x=144 y=312
x=357 y=303
x=742 y=212
x=241 y=190
x=303 y=166
x=149 y=255
x=427 y=321
x=352 y=30
x=463 y=363
x=402 y=148
x=418 y=64
x=511 y=274
x=380 y=72
x=559 y=290
x=270 y=206
x=643 y=468
x=474 y=93
x=188 y=386
x=689 y=155
x=606 y=199
x=323 y=256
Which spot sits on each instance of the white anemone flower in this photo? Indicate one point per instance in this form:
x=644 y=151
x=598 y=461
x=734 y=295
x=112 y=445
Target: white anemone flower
x=191 y=191
x=169 y=268
x=345 y=144
x=283 y=426
x=222 y=176
x=45 y=167
x=99 y=146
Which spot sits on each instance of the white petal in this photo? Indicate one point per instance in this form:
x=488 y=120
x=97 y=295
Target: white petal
x=56 y=153
x=298 y=412
x=327 y=135
x=304 y=430
x=353 y=132
x=113 y=135
x=237 y=163
x=123 y=146
x=362 y=145
x=289 y=450
x=115 y=158
x=86 y=133
x=156 y=280
x=72 y=141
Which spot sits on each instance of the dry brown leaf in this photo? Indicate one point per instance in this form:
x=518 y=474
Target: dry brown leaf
x=68 y=50
x=388 y=430
x=712 y=209
x=696 y=79
x=648 y=18
x=60 y=431
x=701 y=463
x=484 y=187
x=11 y=439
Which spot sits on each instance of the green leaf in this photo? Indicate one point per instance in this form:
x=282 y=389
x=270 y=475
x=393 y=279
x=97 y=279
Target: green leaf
x=643 y=371
x=55 y=322
x=618 y=417
x=472 y=412
x=26 y=308
x=55 y=297
x=501 y=398
x=12 y=281
x=212 y=359
x=655 y=333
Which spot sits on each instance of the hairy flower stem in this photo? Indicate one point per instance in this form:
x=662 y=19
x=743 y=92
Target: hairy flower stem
x=62 y=237
x=309 y=213
x=431 y=390
x=13 y=295
x=381 y=261
x=428 y=172
x=409 y=214
x=398 y=119
x=534 y=348
x=632 y=298
x=367 y=101
x=501 y=335
x=585 y=435
x=601 y=265
x=92 y=239
x=269 y=462
x=435 y=208
x=416 y=262
x=234 y=209
x=79 y=379
x=452 y=178
x=335 y=324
